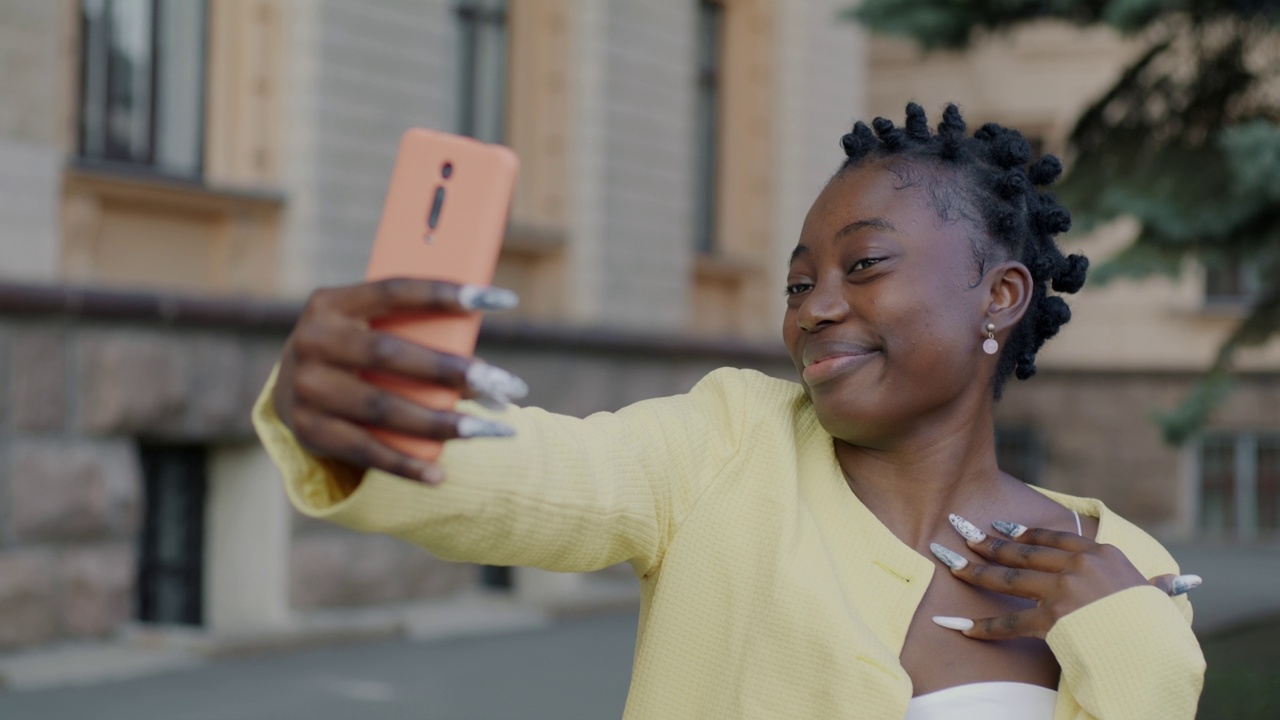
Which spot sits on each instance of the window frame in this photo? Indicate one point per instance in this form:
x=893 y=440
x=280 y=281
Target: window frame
x=711 y=21
x=475 y=18
x=148 y=167
x=1244 y=515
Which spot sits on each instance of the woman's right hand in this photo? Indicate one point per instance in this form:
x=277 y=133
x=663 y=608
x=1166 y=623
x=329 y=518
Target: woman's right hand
x=321 y=396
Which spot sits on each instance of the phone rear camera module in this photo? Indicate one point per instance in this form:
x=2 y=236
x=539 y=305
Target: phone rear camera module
x=447 y=170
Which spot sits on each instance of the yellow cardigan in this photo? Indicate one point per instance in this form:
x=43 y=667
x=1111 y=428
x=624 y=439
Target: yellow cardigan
x=768 y=589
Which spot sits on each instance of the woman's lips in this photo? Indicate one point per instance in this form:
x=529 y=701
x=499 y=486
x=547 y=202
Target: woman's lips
x=829 y=368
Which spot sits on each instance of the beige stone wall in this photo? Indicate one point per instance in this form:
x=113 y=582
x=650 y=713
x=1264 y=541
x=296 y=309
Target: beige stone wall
x=75 y=398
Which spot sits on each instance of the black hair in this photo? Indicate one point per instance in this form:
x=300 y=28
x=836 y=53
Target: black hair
x=988 y=180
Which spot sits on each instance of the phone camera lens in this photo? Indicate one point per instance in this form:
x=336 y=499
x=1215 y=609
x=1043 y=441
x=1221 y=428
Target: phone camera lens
x=447 y=170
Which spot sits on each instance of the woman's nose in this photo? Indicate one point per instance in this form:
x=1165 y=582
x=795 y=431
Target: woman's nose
x=824 y=305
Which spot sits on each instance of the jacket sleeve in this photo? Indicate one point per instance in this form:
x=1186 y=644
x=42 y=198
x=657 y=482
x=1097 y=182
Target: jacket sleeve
x=1131 y=656
x=564 y=494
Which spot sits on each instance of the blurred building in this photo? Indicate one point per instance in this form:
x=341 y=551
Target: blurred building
x=176 y=175
x=1084 y=424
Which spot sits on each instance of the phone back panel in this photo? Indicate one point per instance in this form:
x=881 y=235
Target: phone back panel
x=463 y=247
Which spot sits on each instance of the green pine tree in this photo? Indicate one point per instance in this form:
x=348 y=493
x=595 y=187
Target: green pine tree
x=1187 y=141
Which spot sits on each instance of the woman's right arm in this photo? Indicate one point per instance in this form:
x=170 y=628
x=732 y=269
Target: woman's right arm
x=563 y=493
x=319 y=395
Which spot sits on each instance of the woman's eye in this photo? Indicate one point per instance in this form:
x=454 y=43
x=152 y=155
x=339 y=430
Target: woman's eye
x=864 y=263
x=796 y=288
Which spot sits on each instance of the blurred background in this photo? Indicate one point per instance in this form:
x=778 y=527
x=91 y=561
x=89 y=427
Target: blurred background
x=177 y=175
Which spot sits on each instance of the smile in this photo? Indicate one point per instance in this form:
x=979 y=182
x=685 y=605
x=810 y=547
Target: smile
x=828 y=368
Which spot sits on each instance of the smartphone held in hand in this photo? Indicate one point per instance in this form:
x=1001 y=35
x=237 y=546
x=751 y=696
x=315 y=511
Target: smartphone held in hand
x=444 y=219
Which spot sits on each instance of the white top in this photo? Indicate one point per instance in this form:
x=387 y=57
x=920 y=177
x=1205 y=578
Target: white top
x=984 y=701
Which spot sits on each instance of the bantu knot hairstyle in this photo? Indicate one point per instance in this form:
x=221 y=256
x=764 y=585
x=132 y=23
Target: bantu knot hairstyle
x=990 y=180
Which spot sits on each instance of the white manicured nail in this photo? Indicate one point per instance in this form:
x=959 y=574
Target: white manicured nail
x=477 y=297
x=953 y=623
x=1013 y=530
x=1183 y=583
x=966 y=528
x=494 y=383
x=469 y=427
x=949 y=558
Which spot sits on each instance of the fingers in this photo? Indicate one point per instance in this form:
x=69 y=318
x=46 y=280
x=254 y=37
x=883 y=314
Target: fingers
x=1009 y=552
x=1033 y=622
x=346 y=441
x=399 y=295
x=1020 y=582
x=1174 y=585
x=351 y=344
x=335 y=392
x=1062 y=540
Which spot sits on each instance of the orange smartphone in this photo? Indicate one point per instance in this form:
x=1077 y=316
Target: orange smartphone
x=444 y=219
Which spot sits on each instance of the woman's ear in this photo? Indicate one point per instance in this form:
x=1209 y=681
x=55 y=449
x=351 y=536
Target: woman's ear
x=1011 y=290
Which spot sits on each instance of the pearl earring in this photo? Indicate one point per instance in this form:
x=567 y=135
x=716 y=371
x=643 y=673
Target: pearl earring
x=990 y=346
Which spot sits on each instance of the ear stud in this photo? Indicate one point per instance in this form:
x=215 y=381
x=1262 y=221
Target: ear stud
x=990 y=346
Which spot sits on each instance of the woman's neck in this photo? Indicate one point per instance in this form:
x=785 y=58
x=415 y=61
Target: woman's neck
x=912 y=485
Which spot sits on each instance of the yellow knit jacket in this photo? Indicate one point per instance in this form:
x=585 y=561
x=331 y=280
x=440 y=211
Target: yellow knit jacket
x=768 y=589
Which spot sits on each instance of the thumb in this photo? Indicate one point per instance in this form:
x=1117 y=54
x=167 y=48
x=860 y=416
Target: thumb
x=1176 y=584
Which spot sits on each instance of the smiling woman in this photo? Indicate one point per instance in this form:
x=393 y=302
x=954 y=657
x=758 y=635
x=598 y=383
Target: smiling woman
x=811 y=549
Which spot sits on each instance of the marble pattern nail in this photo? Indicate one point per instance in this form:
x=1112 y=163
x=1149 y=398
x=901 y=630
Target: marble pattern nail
x=967 y=529
x=1183 y=583
x=494 y=383
x=948 y=557
x=1011 y=529
x=477 y=297
x=469 y=427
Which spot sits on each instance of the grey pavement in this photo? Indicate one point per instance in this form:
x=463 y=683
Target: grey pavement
x=573 y=669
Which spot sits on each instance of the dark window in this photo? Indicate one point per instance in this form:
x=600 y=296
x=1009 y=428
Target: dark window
x=482 y=69
x=710 y=42
x=1239 y=478
x=142 y=83
x=1020 y=452
x=171 y=558
x=1230 y=281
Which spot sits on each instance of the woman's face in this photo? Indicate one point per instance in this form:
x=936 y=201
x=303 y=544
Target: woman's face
x=883 y=320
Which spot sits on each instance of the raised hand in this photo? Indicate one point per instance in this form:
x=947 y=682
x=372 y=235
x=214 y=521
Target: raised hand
x=321 y=396
x=1060 y=571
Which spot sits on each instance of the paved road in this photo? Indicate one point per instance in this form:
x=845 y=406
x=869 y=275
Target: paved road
x=576 y=669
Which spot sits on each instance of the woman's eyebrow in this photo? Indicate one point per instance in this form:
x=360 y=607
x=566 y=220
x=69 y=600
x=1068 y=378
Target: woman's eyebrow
x=876 y=223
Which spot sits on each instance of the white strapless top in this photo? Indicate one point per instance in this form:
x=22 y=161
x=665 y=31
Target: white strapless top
x=984 y=701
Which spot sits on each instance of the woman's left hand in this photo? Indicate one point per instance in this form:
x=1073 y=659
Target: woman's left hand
x=1061 y=571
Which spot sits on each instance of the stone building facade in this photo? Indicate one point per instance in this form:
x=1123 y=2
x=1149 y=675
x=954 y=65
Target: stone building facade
x=146 y=286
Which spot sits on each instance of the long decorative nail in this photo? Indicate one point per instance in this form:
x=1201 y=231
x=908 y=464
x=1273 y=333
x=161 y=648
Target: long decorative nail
x=494 y=383
x=953 y=623
x=431 y=474
x=966 y=528
x=469 y=427
x=1013 y=530
x=478 y=297
x=949 y=558
x=1183 y=583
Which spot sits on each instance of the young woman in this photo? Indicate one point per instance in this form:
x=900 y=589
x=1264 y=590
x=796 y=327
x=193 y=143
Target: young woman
x=811 y=549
